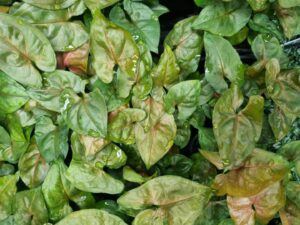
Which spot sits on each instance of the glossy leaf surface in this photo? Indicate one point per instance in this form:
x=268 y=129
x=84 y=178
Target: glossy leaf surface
x=223 y=18
x=222 y=61
x=179 y=200
x=245 y=182
x=155 y=135
x=108 y=51
x=235 y=144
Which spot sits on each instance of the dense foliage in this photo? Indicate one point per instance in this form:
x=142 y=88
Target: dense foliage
x=104 y=122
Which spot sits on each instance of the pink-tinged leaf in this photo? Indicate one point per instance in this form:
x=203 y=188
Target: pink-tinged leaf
x=260 y=170
x=261 y=207
x=77 y=60
x=60 y=61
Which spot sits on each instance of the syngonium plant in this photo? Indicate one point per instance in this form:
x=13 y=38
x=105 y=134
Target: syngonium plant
x=101 y=120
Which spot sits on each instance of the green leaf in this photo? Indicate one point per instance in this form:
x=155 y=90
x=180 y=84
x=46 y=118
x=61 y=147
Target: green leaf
x=264 y=49
x=82 y=199
x=223 y=18
x=250 y=178
x=98 y=152
x=104 y=120
x=267 y=137
x=121 y=126
x=183 y=133
x=30 y=208
x=187 y=45
x=55 y=83
x=280 y=122
x=206 y=139
x=33 y=167
x=64 y=36
x=51 y=4
x=8 y=190
x=232 y=125
x=84 y=115
x=261 y=207
x=19 y=140
x=155 y=135
x=5 y=142
x=239 y=37
x=222 y=61
x=213 y=158
x=263 y=24
x=113 y=101
x=157 y=8
x=54 y=194
x=292 y=190
x=91 y=217
x=207 y=92
x=6 y=2
x=19 y=62
x=145 y=21
x=57 y=191
x=185 y=97
x=155 y=216
x=226 y=222
x=201 y=3
x=291 y=152
x=51 y=140
x=143 y=78
x=34 y=14
x=215 y=212
x=140 y=20
x=291 y=214
x=6 y=169
x=86 y=169
x=123 y=84
x=47 y=98
x=166 y=72
x=89 y=178
x=180 y=201
x=113 y=208
x=283 y=88
x=86 y=147
x=94 y=5
x=111 y=157
x=132 y=176
x=202 y=171
x=176 y=164
x=258 y=5
x=289 y=3
x=60 y=79
x=111 y=46
x=288 y=19
x=12 y=95
x=197 y=119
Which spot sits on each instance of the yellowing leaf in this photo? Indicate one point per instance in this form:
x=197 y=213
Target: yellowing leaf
x=260 y=170
x=91 y=217
x=180 y=201
x=261 y=207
